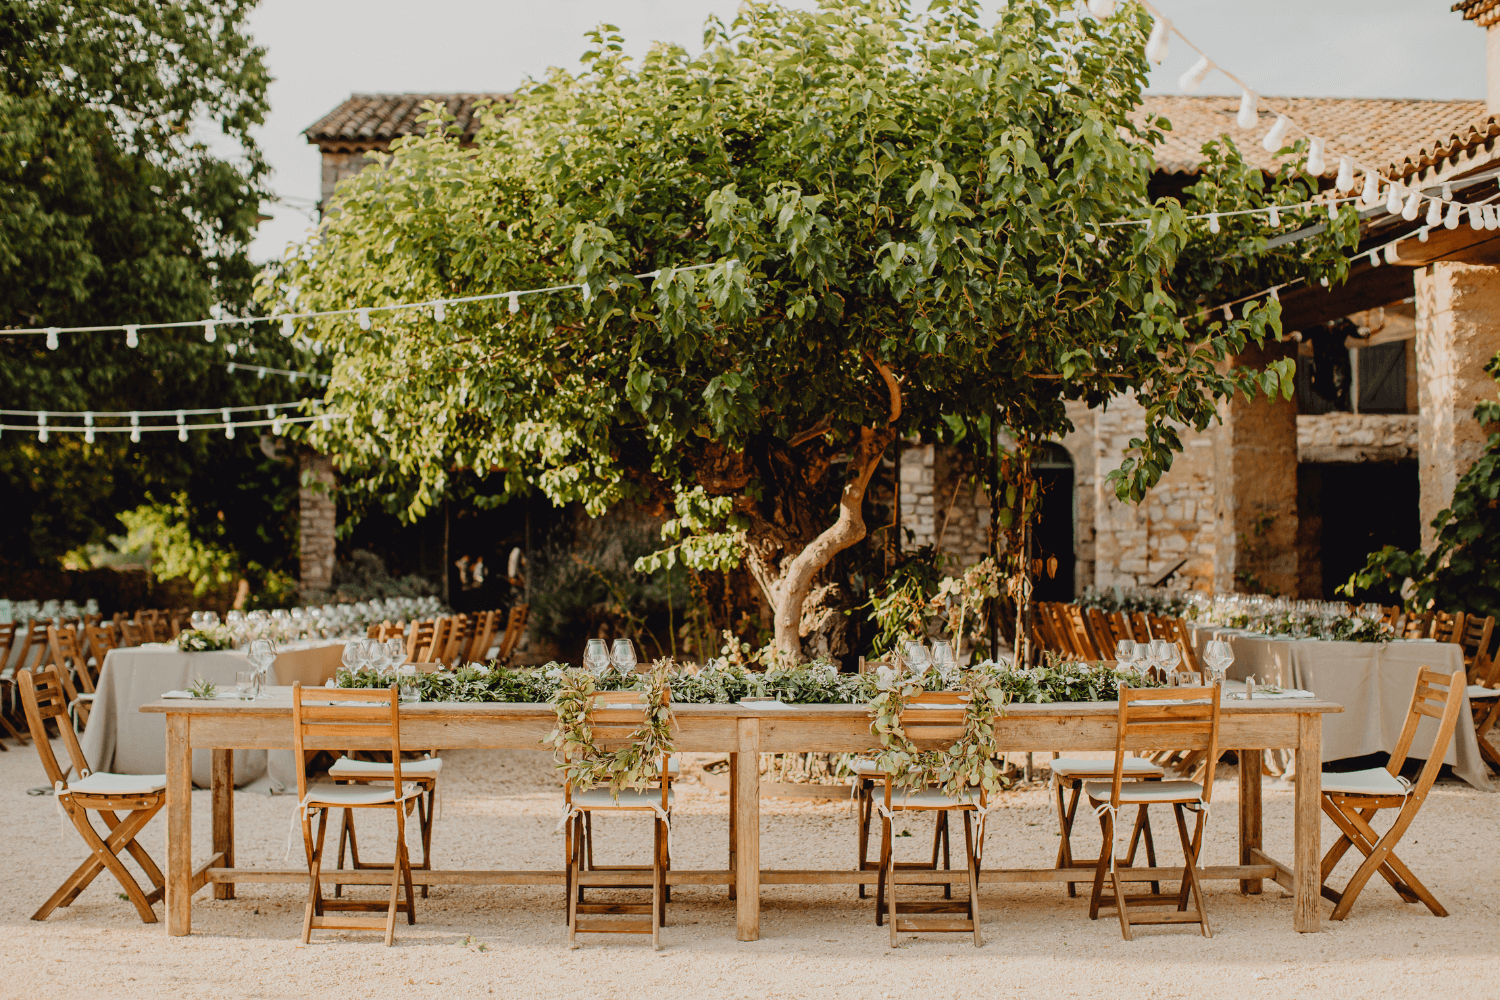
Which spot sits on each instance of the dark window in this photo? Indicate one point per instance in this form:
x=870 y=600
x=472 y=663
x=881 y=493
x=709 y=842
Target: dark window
x=1382 y=378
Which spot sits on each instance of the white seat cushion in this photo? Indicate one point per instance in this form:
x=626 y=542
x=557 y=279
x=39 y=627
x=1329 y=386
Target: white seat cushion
x=104 y=783
x=867 y=769
x=339 y=796
x=1478 y=692
x=1135 y=767
x=1139 y=792
x=1374 y=781
x=630 y=798
x=345 y=768
x=929 y=798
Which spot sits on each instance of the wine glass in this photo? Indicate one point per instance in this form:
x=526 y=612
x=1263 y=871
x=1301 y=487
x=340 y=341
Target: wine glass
x=1125 y=652
x=1170 y=655
x=1219 y=655
x=378 y=655
x=918 y=657
x=622 y=656
x=396 y=650
x=596 y=656
x=942 y=656
x=261 y=655
x=352 y=654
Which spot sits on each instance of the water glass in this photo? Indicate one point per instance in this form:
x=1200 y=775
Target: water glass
x=622 y=656
x=596 y=656
x=244 y=684
x=406 y=679
x=918 y=657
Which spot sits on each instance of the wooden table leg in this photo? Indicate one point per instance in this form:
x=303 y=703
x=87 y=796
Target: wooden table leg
x=223 y=793
x=734 y=797
x=1250 y=815
x=179 y=827
x=1307 y=876
x=747 y=832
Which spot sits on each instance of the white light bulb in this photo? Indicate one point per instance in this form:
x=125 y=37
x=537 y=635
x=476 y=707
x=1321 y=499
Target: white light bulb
x=1454 y=217
x=1228 y=315
x=1448 y=191
x=1409 y=210
x=209 y=333
x=1371 y=193
x=1390 y=253
x=1393 y=200
x=1434 y=213
x=1156 y=45
x=440 y=312
x=1476 y=217
x=364 y=319
x=229 y=368
x=587 y=295
x=288 y=328
x=327 y=423
x=41 y=423
x=228 y=426
x=1345 y=181
x=1374 y=258
x=131 y=337
x=1422 y=235
x=1315 y=164
x=1276 y=138
x=1101 y=8
x=1274 y=218
x=1323 y=281
x=1193 y=78
x=515 y=302
x=1275 y=294
x=1213 y=222
x=181 y=427
x=276 y=426
x=1333 y=211
x=271 y=413
x=232 y=348
x=1248 y=116
x=135 y=427
x=52 y=333
x=88 y=424
x=1491 y=221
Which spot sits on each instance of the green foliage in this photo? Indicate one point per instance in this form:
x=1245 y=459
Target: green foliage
x=364 y=576
x=957 y=770
x=120 y=207
x=880 y=193
x=204 y=688
x=178 y=551
x=583 y=762
x=203 y=640
x=710 y=534
x=1462 y=573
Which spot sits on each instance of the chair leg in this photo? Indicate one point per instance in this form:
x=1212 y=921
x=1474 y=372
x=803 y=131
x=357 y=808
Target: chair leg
x=136 y=850
x=1065 y=833
x=885 y=865
x=314 y=867
x=1379 y=853
x=865 y=807
x=346 y=836
x=1190 y=848
x=658 y=882
x=971 y=858
x=1143 y=825
x=940 y=842
x=574 y=860
x=890 y=882
x=1102 y=867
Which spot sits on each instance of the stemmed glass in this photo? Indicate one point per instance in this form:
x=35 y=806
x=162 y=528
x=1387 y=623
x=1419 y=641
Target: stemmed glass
x=622 y=656
x=1168 y=655
x=944 y=661
x=1219 y=655
x=261 y=655
x=1125 y=652
x=396 y=650
x=918 y=657
x=596 y=656
x=378 y=655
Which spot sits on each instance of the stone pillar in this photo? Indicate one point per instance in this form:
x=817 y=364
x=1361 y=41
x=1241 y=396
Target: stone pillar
x=317 y=519
x=1255 y=488
x=918 y=508
x=1458 y=331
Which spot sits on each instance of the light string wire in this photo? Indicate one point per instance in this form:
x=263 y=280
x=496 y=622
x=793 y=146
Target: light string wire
x=263 y=371
x=123 y=414
x=42 y=428
x=362 y=312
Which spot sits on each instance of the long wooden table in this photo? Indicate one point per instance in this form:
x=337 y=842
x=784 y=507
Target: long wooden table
x=744 y=733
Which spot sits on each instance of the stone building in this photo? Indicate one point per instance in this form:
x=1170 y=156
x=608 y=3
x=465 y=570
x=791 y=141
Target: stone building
x=1285 y=496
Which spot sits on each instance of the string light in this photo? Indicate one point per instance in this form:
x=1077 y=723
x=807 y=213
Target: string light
x=1157 y=44
x=209 y=333
x=135 y=427
x=364 y=318
x=1422 y=235
x=1345 y=181
x=228 y=425
x=1276 y=138
x=1248 y=116
x=288 y=328
x=1409 y=210
x=181 y=427
x=1274 y=218
x=439 y=313
x=132 y=337
x=1370 y=196
x=515 y=303
x=1315 y=164
x=1434 y=214
x=1213 y=222
x=1476 y=217
x=52 y=332
x=88 y=424
x=41 y=422
x=44 y=427
x=1193 y=78
x=1393 y=200
x=1455 y=216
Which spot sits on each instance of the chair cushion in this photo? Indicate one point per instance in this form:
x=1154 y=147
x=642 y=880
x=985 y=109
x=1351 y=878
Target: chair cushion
x=867 y=769
x=1478 y=692
x=339 y=796
x=929 y=798
x=104 y=783
x=1138 y=792
x=630 y=798
x=346 y=768
x=1070 y=767
x=1373 y=781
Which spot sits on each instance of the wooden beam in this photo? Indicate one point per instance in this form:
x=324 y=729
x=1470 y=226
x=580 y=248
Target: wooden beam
x=1367 y=288
x=1464 y=244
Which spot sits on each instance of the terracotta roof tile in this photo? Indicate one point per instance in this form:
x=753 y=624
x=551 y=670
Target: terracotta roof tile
x=1389 y=135
x=367 y=121
x=1486 y=12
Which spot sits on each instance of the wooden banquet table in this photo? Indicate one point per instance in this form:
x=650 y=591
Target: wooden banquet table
x=744 y=732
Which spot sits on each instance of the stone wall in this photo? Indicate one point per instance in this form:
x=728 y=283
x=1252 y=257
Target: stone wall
x=1357 y=437
x=337 y=167
x=317 y=521
x=943 y=503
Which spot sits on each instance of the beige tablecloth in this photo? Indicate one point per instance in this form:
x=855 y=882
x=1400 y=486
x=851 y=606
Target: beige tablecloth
x=1372 y=680
x=121 y=739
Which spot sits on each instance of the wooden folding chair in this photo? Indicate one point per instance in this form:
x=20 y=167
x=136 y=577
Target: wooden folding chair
x=70 y=659
x=32 y=639
x=1352 y=799
x=363 y=719
x=1416 y=625
x=131 y=634
x=1062 y=630
x=1475 y=640
x=419 y=640
x=932 y=716
x=867 y=777
x=613 y=716
x=44 y=693
x=99 y=639
x=1078 y=626
x=460 y=634
x=1447 y=627
x=1154 y=718
x=8 y=700
x=1069 y=774
x=515 y=627
x=484 y=637
x=1043 y=635
x=423 y=773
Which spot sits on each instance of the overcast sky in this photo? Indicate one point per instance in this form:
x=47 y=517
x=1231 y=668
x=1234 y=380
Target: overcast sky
x=321 y=51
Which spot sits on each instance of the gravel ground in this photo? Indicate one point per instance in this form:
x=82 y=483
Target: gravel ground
x=499 y=810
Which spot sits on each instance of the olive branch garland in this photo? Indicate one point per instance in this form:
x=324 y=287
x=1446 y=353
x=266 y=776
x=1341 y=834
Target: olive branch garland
x=958 y=769
x=584 y=763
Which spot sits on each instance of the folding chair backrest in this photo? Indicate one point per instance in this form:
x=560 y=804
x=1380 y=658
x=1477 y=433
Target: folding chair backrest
x=356 y=719
x=1476 y=645
x=33 y=641
x=614 y=716
x=67 y=655
x=45 y=694
x=1417 y=625
x=100 y=639
x=1079 y=627
x=1103 y=632
x=460 y=634
x=1437 y=696
x=515 y=627
x=934 y=720
x=1180 y=719
x=1448 y=627
x=7 y=641
x=419 y=640
x=1043 y=634
x=1392 y=615
x=484 y=636
x=1062 y=629
x=1178 y=632
x=131 y=633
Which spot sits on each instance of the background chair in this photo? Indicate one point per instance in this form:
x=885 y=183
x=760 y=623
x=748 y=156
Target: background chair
x=1070 y=774
x=44 y=693
x=1352 y=798
x=1157 y=718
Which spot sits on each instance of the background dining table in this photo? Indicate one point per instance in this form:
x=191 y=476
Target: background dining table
x=1372 y=680
x=122 y=740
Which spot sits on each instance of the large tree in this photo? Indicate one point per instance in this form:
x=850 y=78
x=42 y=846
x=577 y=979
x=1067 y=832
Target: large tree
x=132 y=185
x=906 y=217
